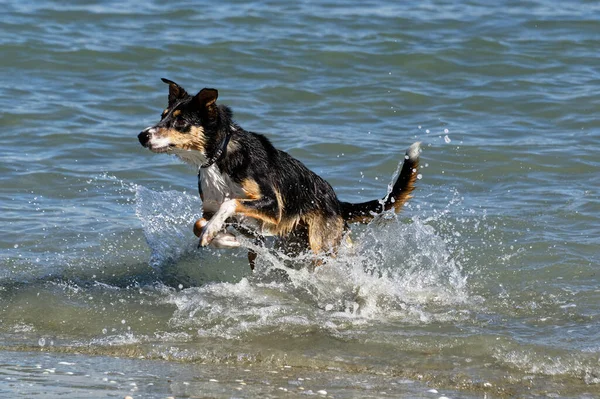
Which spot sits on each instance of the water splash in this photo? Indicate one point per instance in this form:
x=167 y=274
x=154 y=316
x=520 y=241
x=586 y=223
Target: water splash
x=396 y=269
x=167 y=218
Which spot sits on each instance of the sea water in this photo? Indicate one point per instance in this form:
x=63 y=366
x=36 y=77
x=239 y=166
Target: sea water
x=486 y=285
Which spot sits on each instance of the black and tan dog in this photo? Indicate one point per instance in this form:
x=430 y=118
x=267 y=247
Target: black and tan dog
x=243 y=179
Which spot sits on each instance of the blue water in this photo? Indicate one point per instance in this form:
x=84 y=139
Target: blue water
x=486 y=284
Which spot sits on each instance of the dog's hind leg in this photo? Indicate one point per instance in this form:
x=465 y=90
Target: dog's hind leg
x=325 y=234
x=252 y=258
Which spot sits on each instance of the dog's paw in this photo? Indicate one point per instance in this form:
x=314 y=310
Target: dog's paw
x=204 y=230
x=225 y=240
x=209 y=232
x=222 y=239
x=215 y=224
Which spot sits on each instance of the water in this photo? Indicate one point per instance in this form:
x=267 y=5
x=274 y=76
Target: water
x=487 y=285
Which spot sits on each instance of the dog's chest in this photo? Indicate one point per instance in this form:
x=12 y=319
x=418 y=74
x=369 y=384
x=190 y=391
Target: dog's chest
x=216 y=187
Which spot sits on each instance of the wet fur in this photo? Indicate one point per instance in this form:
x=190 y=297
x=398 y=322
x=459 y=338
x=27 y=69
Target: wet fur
x=264 y=189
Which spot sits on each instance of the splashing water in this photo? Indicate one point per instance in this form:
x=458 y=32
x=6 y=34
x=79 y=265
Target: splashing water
x=394 y=270
x=166 y=219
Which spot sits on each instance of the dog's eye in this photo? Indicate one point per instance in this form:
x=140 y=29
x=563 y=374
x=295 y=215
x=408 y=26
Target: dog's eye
x=179 y=123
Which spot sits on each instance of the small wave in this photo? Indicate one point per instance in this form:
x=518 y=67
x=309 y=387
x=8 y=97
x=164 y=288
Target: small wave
x=583 y=366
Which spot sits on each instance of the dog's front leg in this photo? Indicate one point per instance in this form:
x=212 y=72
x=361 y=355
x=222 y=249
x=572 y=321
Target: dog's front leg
x=223 y=239
x=215 y=224
x=266 y=208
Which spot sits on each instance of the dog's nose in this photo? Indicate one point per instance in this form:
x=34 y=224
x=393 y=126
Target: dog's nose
x=144 y=137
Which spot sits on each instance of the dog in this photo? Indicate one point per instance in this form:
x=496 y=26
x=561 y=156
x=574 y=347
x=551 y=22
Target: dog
x=243 y=179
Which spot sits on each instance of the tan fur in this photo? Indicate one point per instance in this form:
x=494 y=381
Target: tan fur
x=253 y=213
x=280 y=226
x=324 y=233
x=251 y=188
x=210 y=102
x=199 y=225
x=193 y=140
x=404 y=195
x=280 y=202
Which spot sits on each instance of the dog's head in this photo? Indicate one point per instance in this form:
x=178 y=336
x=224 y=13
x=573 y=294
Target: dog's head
x=188 y=127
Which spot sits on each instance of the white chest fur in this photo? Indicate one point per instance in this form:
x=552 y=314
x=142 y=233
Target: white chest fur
x=217 y=187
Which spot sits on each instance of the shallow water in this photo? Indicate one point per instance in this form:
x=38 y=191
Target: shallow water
x=486 y=285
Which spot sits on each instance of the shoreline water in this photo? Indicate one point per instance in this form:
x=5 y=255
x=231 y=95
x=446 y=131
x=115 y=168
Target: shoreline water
x=55 y=372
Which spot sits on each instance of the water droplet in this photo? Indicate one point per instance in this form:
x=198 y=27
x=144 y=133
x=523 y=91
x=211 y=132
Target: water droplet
x=447 y=139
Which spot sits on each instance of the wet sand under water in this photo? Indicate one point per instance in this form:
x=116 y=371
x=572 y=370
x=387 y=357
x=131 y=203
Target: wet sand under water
x=50 y=375
x=95 y=372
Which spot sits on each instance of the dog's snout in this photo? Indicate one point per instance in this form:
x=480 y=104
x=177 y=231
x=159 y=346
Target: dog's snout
x=144 y=137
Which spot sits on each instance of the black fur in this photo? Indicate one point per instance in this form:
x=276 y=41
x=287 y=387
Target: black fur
x=279 y=191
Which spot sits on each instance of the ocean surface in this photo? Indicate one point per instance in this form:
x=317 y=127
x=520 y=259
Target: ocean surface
x=487 y=285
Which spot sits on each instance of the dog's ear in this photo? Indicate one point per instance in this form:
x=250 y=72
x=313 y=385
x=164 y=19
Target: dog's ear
x=205 y=101
x=206 y=97
x=176 y=92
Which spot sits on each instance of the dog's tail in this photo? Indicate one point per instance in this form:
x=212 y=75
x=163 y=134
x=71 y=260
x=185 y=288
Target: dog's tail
x=404 y=185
